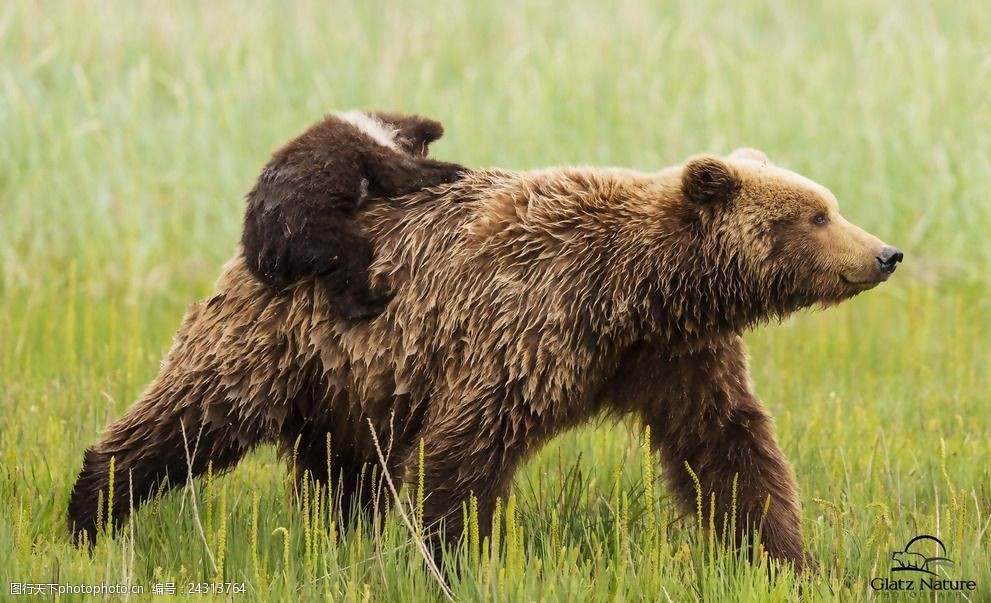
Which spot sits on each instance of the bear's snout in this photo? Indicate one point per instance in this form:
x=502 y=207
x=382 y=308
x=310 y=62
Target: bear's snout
x=888 y=259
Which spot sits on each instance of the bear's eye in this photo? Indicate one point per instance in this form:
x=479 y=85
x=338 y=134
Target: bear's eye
x=820 y=220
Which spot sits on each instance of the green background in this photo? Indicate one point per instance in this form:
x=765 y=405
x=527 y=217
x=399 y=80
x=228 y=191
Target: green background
x=130 y=132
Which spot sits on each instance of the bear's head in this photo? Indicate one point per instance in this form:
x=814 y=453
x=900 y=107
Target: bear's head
x=782 y=233
x=413 y=133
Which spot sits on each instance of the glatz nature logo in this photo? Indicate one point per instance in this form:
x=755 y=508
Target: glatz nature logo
x=916 y=571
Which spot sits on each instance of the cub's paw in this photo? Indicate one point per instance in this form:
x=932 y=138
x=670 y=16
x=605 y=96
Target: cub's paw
x=358 y=307
x=437 y=172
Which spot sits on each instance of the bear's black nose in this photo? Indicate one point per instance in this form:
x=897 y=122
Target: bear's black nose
x=889 y=258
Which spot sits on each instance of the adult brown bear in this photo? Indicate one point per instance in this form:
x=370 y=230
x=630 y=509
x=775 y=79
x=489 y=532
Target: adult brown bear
x=526 y=303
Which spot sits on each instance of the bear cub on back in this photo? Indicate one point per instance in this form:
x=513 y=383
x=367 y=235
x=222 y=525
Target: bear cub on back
x=300 y=216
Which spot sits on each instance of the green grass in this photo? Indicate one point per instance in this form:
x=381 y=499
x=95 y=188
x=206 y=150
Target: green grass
x=129 y=133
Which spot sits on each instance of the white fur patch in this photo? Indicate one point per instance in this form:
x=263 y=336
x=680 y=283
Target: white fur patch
x=364 y=191
x=378 y=131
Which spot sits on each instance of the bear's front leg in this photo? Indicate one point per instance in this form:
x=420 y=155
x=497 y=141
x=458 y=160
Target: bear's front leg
x=705 y=415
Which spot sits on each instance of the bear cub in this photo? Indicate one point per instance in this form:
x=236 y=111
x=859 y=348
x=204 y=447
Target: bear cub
x=300 y=216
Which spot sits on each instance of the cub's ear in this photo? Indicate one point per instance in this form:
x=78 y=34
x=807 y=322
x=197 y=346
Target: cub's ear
x=417 y=132
x=749 y=153
x=425 y=130
x=706 y=179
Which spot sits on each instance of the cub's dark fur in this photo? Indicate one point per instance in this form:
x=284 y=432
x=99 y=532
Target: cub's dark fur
x=300 y=218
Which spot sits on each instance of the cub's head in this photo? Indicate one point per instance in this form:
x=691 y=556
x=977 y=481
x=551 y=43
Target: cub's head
x=411 y=133
x=783 y=233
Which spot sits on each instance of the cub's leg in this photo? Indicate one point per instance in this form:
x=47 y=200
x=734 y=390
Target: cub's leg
x=323 y=242
x=398 y=175
x=346 y=254
x=347 y=281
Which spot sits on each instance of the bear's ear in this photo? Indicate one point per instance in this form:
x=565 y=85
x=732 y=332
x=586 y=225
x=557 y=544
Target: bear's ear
x=707 y=179
x=749 y=153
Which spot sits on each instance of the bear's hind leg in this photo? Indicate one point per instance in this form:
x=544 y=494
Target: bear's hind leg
x=149 y=452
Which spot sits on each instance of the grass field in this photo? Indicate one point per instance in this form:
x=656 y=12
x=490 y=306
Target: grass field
x=129 y=133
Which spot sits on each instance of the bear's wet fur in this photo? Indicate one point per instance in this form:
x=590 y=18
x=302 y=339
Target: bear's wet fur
x=300 y=219
x=526 y=304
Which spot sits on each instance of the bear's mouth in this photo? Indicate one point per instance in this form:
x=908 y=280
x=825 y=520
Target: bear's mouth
x=864 y=284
